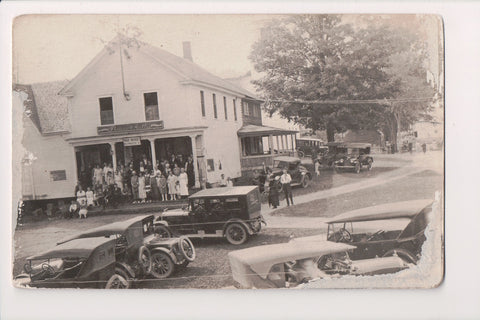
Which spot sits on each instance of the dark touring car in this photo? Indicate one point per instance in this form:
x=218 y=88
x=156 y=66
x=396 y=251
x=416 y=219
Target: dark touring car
x=230 y=212
x=82 y=263
x=139 y=252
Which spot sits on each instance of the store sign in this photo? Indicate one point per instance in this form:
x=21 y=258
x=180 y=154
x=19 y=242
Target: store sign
x=131 y=141
x=130 y=128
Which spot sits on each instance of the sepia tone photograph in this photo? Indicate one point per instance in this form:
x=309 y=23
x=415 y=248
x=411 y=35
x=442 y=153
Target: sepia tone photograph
x=228 y=151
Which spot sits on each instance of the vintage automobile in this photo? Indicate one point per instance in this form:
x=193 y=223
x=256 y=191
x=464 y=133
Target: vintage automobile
x=139 y=251
x=300 y=175
x=78 y=263
x=308 y=146
x=230 y=212
x=287 y=265
x=383 y=230
x=353 y=156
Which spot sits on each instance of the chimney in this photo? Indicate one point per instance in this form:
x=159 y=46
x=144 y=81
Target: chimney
x=187 y=51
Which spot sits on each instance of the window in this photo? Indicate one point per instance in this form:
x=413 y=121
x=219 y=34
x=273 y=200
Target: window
x=202 y=102
x=215 y=106
x=106 y=110
x=225 y=107
x=245 y=109
x=151 y=106
x=235 y=109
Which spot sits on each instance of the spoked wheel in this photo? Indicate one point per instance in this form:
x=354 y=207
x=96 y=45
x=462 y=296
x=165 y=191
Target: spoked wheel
x=305 y=181
x=145 y=259
x=187 y=248
x=162 y=231
x=358 y=167
x=236 y=234
x=117 y=282
x=301 y=154
x=369 y=166
x=162 y=265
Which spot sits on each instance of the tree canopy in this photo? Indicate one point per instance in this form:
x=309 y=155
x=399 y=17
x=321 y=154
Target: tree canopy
x=317 y=69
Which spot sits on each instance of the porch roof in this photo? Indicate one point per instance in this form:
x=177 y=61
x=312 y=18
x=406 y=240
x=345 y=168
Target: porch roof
x=254 y=130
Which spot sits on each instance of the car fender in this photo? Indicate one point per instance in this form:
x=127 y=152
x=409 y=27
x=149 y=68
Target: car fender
x=125 y=267
x=240 y=221
x=167 y=251
x=161 y=222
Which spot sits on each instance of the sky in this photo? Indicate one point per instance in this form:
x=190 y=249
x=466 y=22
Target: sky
x=57 y=47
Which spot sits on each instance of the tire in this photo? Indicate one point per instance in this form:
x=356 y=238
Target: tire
x=402 y=253
x=116 y=281
x=162 y=265
x=305 y=181
x=236 y=234
x=145 y=259
x=301 y=154
x=358 y=167
x=162 y=231
x=187 y=249
x=369 y=166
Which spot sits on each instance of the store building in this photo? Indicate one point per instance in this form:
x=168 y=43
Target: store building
x=140 y=103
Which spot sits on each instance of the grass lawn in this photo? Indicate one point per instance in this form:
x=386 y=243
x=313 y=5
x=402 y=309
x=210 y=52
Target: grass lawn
x=419 y=186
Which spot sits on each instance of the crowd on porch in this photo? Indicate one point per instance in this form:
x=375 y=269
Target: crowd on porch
x=136 y=182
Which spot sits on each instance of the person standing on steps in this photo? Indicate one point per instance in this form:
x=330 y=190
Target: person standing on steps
x=285 y=180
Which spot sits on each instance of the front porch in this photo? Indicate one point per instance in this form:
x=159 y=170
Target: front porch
x=259 y=145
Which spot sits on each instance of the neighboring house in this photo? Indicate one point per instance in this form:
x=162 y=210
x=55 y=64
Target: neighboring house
x=142 y=103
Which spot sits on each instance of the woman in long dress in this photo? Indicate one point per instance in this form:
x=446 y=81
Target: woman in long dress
x=119 y=178
x=162 y=184
x=155 y=188
x=142 y=194
x=172 y=181
x=97 y=175
x=183 y=179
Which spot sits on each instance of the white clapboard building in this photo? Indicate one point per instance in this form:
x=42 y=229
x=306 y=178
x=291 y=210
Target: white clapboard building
x=137 y=102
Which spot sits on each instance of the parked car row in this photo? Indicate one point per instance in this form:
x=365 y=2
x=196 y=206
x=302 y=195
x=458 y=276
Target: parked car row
x=116 y=255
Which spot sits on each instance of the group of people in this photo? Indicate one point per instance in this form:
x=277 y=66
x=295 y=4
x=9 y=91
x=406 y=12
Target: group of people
x=137 y=182
x=273 y=184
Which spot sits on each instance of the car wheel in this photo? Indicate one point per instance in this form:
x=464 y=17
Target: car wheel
x=145 y=259
x=117 y=282
x=301 y=154
x=305 y=181
x=162 y=231
x=369 y=166
x=187 y=248
x=402 y=253
x=236 y=234
x=358 y=167
x=162 y=265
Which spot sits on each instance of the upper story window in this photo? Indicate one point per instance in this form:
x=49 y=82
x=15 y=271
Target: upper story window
x=106 y=110
x=235 y=109
x=215 y=114
x=202 y=102
x=151 y=106
x=245 y=109
x=225 y=107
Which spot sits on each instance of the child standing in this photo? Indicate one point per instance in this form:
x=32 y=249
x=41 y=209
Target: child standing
x=172 y=182
x=90 y=197
x=162 y=184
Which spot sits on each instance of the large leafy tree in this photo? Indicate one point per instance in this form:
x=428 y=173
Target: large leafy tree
x=327 y=75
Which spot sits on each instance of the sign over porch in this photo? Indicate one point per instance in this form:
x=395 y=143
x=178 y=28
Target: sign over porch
x=117 y=129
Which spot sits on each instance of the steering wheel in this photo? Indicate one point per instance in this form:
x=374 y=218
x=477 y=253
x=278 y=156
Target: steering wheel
x=48 y=269
x=344 y=235
x=375 y=235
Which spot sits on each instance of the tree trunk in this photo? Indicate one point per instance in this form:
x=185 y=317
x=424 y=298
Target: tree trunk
x=330 y=133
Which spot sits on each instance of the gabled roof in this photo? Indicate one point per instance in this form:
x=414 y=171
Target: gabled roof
x=48 y=110
x=189 y=71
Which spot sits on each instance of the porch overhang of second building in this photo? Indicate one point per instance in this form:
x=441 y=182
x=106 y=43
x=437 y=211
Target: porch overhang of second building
x=260 y=144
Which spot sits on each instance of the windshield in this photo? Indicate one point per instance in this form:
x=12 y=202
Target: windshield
x=280 y=164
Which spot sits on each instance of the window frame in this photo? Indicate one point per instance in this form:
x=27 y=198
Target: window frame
x=202 y=103
x=225 y=107
x=235 y=109
x=214 y=102
x=100 y=110
x=145 y=106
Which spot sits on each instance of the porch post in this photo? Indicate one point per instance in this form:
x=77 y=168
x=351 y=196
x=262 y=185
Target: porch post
x=152 y=148
x=283 y=142
x=278 y=144
x=193 y=138
x=293 y=146
x=270 y=143
x=114 y=155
